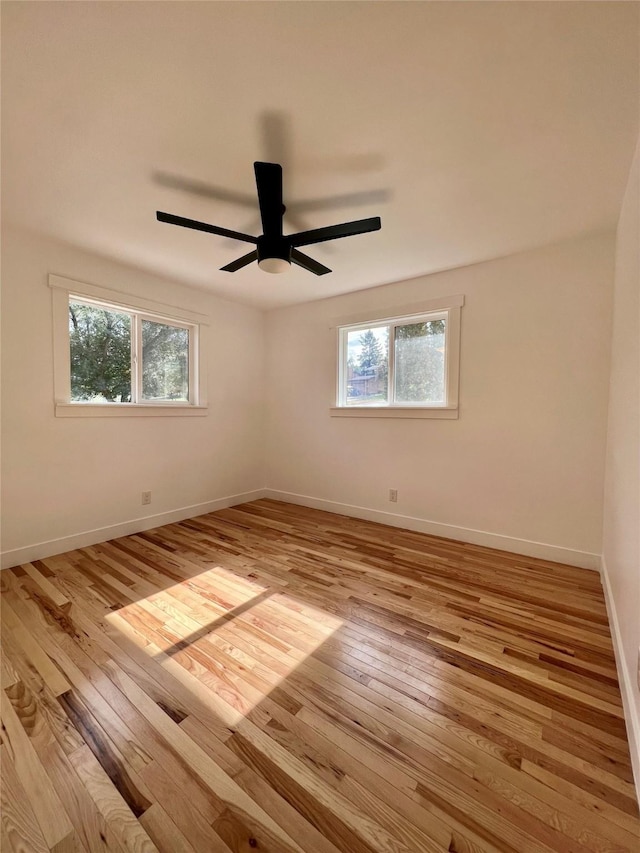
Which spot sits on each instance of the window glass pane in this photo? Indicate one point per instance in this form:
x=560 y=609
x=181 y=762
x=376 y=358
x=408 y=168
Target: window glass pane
x=100 y=342
x=165 y=362
x=419 y=362
x=367 y=367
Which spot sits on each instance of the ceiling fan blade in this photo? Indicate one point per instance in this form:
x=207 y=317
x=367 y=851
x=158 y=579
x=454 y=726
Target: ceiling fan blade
x=187 y=185
x=308 y=263
x=347 y=200
x=241 y=262
x=334 y=232
x=269 y=184
x=202 y=226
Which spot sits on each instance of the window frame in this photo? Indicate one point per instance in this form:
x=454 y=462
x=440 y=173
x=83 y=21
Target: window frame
x=448 y=309
x=65 y=290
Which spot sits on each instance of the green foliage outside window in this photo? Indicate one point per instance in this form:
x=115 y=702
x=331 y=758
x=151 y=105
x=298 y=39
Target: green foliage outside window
x=371 y=352
x=419 y=362
x=165 y=362
x=100 y=354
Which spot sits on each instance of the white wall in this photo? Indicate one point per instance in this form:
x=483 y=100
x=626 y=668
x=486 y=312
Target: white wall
x=66 y=476
x=524 y=461
x=621 y=550
x=522 y=468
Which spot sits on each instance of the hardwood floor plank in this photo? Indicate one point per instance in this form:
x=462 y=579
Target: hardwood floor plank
x=164 y=833
x=89 y=822
x=99 y=743
x=127 y=830
x=192 y=815
x=32 y=651
x=21 y=831
x=45 y=585
x=47 y=807
x=271 y=677
x=331 y=813
x=221 y=785
x=70 y=844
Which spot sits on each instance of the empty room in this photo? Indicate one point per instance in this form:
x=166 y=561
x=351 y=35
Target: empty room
x=320 y=427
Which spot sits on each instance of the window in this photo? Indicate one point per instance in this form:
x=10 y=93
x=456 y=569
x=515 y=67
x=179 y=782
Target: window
x=123 y=355
x=401 y=366
x=120 y=356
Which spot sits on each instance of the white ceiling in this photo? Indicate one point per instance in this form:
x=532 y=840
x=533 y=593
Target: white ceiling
x=477 y=129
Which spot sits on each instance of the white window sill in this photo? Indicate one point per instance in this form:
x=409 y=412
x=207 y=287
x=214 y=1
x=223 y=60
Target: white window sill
x=450 y=413
x=126 y=410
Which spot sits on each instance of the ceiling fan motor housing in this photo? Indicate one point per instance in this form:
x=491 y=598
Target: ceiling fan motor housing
x=274 y=254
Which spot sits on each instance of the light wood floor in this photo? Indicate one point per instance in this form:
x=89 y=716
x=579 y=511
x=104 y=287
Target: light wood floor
x=277 y=679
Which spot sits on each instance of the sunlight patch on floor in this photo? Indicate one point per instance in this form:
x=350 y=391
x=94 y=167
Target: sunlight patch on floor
x=230 y=640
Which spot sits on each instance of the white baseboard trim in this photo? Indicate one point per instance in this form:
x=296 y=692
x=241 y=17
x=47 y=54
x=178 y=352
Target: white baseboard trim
x=543 y=551
x=625 y=677
x=17 y=556
x=582 y=559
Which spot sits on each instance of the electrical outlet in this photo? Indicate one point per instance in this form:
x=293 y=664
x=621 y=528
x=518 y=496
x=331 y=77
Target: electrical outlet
x=146 y=498
x=393 y=496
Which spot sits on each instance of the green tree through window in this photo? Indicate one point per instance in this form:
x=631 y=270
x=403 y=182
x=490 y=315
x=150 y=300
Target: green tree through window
x=371 y=353
x=409 y=363
x=100 y=342
x=105 y=342
x=419 y=358
x=165 y=361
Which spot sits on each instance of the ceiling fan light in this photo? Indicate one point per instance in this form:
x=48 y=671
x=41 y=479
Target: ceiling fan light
x=274 y=265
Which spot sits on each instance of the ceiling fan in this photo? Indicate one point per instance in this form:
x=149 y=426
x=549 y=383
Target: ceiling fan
x=275 y=251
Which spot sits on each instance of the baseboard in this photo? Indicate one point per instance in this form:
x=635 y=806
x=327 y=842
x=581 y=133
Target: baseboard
x=625 y=677
x=569 y=556
x=136 y=525
x=541 y=550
